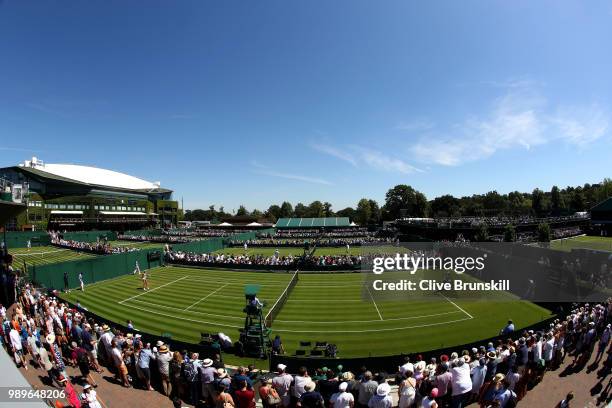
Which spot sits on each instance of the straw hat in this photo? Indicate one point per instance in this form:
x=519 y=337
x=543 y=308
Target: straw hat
x=105 y=328
x=221 y=373
x=207 y=362
x=163 y=349
x=50 y=338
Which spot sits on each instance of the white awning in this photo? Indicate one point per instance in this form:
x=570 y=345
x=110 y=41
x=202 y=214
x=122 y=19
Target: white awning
x=353 y=224
x=254 y=224
x=225 y=224
x=66 y=212
x=122 y=213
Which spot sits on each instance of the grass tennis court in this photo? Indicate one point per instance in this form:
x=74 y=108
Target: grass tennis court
x=136 y=244
x=284 y=251
x=583 y=242
x=322 y=307
x=43 y=255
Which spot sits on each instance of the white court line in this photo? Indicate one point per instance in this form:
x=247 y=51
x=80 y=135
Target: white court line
x=373 y=301
x=174 y=316
x=39 y=253
x=296 y=321
x=369 y=321
x=152 y=290
x=206 y=297
x=371 y=330
x=191 y=311
x=457 y=306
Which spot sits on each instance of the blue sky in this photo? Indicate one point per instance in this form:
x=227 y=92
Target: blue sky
x=253 y=103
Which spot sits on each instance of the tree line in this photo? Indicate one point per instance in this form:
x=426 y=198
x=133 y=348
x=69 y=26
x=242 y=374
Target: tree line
x=404 y=201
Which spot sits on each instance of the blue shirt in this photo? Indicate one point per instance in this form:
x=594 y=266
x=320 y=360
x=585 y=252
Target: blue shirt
x=144 y=358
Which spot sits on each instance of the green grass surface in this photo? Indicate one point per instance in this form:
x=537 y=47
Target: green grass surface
x=136 y=244
x=322 y=307
x=583 y=242
x=46 y=255
x=284 y=251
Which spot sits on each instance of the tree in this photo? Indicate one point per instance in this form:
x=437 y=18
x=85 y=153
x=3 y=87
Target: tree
x=509 y=233
x=544 y=232
x=577 y=201
x=327 y=210
x=445 y=206
x=347 y=212
x=555 y=201
x=375 y=210
x=403 y=200
x=286 y=210
x=537 y=202
x=273 y=213
x=315 y=209
x=300 y=210
x=364 y=212
x=482 y=235
x=242 y=211
x=256 y=214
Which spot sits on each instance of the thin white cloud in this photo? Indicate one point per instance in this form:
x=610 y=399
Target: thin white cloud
x=266 y=171
x=335 y=152
x=519 y=119
x=362 y=156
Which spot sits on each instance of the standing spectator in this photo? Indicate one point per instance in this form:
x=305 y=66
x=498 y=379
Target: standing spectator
x=244 y=396
x=144 y=360
x=430 y=400
x=310 y=398
x=207 y=379
x=381 y=399
x=461 y=383
x=176 y=365
x=17 y=346
x=343 y=399
x=163 y=358
x=192 y=377
x=565 y=403
x=222 y=399
x=299 y=382
x=366 y=389
x=121 y=370
x=282 y=384
x=479 y=373
x=407 y=390
x=268 y=395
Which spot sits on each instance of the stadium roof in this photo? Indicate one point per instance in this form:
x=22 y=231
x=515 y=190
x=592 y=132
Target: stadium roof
x=88 y=176
x=313 y=222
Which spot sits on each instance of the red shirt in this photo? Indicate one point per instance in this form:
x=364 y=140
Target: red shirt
x=245 y=398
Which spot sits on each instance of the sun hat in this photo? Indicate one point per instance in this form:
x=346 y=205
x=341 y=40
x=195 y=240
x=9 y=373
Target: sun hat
x=159 y=343
x=50 y=338
x=467 y=359
x=86 y=387
x=129 y=335
x=62 y=379
x=343 y=386
x=281 y=367
x=163 y=349
x=105 y=328
x=309 y=386
x=491 y=355
x=207 y=362
x=221 y=373
x=499 y=378
x=347 y=376
x=383 y=389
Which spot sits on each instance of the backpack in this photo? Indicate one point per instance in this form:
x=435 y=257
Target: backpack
x=190 y=372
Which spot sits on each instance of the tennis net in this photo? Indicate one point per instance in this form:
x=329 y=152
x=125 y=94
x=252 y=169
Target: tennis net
x=278 y=305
